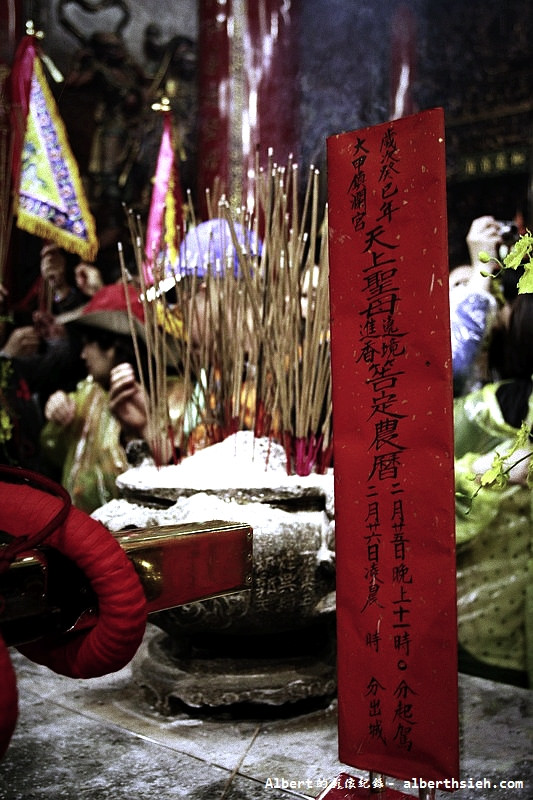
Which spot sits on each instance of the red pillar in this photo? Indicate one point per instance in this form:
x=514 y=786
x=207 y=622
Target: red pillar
x=11 y=28
x=248 y=90
x=11 y=31
x=214 y=97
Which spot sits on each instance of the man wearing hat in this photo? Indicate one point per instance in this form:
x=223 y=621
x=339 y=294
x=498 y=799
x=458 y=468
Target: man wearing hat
x=87 y=430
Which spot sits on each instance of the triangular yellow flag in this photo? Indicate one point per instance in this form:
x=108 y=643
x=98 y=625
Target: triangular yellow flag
x=50 y=200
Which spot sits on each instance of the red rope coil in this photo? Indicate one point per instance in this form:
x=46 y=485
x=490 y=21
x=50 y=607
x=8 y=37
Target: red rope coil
x=27 y=504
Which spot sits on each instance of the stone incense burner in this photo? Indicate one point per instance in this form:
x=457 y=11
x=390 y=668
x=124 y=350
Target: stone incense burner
x=273 y=644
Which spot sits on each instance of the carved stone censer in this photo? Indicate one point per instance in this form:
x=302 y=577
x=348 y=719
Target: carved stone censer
x=273 y=644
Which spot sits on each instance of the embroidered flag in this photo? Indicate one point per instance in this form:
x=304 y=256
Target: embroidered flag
x=165 y=217
x=49 y=198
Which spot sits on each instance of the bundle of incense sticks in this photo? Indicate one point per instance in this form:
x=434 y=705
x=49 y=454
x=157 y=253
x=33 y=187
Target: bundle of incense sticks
x=216 y=350
x=253 y=347
x=154 y=384
x=290 y=304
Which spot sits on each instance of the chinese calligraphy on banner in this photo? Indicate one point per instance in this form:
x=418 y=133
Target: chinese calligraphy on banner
x=393 y=449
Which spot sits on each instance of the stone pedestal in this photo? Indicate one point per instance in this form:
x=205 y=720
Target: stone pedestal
x=273 y=644
x=211 y=672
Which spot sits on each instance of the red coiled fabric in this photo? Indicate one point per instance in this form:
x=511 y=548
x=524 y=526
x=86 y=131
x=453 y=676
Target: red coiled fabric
x=28 y=506
x=8 y=698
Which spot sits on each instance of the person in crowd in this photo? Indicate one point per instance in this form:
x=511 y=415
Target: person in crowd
x=478 y=319
x=59 y=286
x=20 y=419
x=87 y=430
x=63 y=282
x=43 y=351
x=494 y=524
x=34 y=361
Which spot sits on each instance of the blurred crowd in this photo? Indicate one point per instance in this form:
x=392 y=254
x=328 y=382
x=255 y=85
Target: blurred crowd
x=492 y=353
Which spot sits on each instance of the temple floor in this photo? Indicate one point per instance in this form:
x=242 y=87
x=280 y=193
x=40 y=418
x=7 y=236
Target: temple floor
x=102 y=740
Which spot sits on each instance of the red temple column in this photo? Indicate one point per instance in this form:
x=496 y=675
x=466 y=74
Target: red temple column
x=248 y=91
x=11 y=28
x=11 y=31
x=214 y=96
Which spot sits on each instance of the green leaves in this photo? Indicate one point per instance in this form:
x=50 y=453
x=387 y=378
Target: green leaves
x=525 y=283
x=498 y=473
x=497 y=476
x=521 y=254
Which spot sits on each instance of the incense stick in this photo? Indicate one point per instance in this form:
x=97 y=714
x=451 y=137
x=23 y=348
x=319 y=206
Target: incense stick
x=254 y=346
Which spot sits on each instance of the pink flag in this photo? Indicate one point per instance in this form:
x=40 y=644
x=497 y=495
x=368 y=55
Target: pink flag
x=165 y=218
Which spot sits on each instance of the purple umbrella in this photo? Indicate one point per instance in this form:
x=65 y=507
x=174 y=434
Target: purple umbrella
x=210 y=244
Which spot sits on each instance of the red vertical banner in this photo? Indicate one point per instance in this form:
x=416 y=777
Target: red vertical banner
x=393 y=449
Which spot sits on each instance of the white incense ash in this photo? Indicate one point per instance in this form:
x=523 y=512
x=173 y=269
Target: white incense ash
x=241 y=463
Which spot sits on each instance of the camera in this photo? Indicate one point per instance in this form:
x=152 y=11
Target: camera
x=508 y=237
